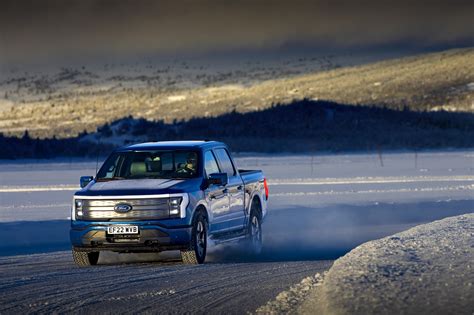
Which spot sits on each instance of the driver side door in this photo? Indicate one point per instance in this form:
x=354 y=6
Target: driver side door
x=216 y=196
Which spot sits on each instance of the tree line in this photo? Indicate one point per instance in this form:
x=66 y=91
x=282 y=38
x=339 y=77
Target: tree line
x=302 y=126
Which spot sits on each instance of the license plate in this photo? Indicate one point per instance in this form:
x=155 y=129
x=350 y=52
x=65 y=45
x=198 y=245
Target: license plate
x=122 y=229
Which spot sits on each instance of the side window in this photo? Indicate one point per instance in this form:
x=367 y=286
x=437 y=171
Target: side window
x=210 y=164
x=225 y=162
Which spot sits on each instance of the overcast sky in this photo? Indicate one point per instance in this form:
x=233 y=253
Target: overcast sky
x=46 y=30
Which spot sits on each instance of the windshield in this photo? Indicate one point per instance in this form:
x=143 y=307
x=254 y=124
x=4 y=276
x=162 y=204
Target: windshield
x=149 y=164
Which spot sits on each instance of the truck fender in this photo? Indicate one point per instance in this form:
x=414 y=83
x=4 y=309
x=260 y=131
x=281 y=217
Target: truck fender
x=203 y=205
x=254 y=195
x=260 y=194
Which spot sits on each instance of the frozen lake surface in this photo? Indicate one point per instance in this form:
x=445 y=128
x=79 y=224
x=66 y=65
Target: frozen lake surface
x=320 y=205
x=320 y=208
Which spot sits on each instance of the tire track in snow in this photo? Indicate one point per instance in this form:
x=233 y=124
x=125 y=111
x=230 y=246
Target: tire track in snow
x=52 y=284
x=275 y=182
x=375 y=191
x=33 y=206
x=369 y=180
x=38 y=188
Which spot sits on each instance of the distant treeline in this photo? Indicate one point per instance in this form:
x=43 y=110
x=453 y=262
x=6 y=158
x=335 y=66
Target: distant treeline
x=302 y=126
x=26 y=148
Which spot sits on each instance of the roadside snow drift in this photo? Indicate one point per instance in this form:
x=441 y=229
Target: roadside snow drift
x=428 y=269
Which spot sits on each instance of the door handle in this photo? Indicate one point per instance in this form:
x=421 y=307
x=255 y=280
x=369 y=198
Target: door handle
x=225 y=191
x=240 y=187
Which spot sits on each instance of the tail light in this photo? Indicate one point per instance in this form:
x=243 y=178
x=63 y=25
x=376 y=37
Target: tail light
x=266 y=188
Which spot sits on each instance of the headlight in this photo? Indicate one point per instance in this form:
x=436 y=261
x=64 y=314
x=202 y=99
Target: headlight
x=174 y=204
x=78 y=208
x=78 y=203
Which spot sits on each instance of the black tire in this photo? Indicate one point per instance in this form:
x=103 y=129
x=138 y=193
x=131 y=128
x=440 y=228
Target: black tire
x=84 y=259
x=196 y=254
x=254 y=230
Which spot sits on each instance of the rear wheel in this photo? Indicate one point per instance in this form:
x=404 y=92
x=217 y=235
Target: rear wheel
x=254 y=234
x=196 y=254
x=84 y=259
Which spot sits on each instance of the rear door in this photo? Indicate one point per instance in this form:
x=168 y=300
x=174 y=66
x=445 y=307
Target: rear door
x=216 y=196
x=235 y=189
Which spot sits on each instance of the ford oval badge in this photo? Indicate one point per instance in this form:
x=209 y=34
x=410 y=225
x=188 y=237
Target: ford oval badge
x=122 y=208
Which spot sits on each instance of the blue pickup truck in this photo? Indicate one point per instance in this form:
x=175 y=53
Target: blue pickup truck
x=160 y=196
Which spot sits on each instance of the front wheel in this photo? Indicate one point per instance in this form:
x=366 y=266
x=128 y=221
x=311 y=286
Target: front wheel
x=254 y=234
x=84 y=259
x=196 y=254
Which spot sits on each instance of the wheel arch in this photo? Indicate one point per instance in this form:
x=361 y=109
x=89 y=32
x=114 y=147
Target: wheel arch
x=201 y=207
x=257 y=202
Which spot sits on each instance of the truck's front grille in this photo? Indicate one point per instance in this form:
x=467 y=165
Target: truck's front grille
x=141 y=209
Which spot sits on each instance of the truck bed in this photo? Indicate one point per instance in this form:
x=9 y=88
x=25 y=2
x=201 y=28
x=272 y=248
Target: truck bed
x=251 y=176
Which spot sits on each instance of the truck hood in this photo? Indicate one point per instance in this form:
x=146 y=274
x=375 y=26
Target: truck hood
x=129 y=187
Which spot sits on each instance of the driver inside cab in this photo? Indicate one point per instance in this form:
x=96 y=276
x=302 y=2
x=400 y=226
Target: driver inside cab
x=190 y=166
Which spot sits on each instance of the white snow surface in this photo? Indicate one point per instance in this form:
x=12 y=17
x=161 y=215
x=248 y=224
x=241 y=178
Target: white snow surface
x=428 y=269
x=320 y=206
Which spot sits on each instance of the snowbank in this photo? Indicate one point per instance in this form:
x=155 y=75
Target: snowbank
x=287 y=301
x=428 y=269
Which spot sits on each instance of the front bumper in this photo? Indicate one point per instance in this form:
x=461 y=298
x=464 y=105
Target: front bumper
x=152 y=237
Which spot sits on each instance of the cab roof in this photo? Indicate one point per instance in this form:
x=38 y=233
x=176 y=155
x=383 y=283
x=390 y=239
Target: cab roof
x=172 y=145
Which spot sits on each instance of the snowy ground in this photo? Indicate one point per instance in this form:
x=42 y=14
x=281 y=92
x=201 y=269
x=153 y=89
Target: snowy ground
x=321 y=207
x=425 y=270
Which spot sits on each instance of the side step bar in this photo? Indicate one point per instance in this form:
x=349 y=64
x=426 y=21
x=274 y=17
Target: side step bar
x=229 y=236
x=227 y=240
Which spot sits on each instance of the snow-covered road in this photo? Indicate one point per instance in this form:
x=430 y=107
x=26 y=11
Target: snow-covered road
x=49 y=283
x=321 y=207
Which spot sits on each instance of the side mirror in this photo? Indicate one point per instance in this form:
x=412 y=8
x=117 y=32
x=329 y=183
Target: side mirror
x=220 y=179
x=85 y=180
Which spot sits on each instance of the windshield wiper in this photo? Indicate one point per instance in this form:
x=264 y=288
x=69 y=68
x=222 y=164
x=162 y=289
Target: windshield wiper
x=105 y=179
